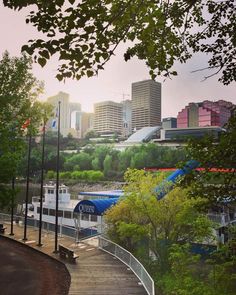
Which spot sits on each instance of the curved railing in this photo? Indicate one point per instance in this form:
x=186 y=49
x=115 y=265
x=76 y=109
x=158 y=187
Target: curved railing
x=127 y=258
x=103 y=243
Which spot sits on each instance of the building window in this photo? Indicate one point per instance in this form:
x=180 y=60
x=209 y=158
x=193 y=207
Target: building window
x=38 y=210
x=94 y=218
x=85 y=217
x=52 y=212
x=67 y=214
x=45 y=211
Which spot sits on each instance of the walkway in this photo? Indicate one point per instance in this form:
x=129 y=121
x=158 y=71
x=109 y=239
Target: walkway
x=95 y=273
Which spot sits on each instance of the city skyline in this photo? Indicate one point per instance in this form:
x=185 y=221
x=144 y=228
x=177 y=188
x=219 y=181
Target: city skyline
x=114 y=83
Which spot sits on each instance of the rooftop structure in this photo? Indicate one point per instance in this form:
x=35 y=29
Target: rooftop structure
x=144 y=135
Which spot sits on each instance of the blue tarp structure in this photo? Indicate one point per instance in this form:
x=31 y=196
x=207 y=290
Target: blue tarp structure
x=106 y=194
x=99 y=206
x=95 y=207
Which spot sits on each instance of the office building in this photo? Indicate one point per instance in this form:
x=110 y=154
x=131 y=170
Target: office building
x=108 y=117
x=87 y=122
x=75 y=107
x=168 y=123
x=206 y=113
x=65 y=121
x=146 y=104
x=127 y=118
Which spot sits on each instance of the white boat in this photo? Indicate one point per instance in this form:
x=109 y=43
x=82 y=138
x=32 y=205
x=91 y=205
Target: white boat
x=66 y=207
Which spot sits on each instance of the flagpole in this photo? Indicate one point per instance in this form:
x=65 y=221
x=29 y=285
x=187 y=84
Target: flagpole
x=57 y=180
x=41 y=187
x=27 y=189
x=12 y=204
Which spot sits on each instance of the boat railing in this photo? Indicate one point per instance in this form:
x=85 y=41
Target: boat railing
x=36 y=199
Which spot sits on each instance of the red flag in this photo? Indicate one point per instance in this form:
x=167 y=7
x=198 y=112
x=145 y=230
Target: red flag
x=26 y=124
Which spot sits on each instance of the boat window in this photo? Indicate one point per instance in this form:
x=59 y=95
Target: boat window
x=52 y=212
x=85 y=217
x=60 y=191
x=64 y=191
x=45 y=211
x=67 y=214
x=38 y=210
x=50 y=191
x=94 y=218
x=60 y=213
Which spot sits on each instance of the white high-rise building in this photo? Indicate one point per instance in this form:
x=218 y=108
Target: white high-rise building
x=108 y=117
x=67 y=113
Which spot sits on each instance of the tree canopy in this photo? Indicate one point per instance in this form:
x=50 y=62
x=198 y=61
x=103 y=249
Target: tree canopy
x=140 y=216
x=19 y=112
x=86 y=34
x=217 y=186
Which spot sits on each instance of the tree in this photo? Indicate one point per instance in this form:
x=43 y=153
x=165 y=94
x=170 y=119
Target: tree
x=86 y=33
x=172 y=220
x=83 y=160
x=18 y=112
x=211 y=154
x=99 y=157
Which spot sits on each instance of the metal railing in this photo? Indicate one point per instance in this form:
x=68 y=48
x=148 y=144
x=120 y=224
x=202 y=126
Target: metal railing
x=50 y=227
x=220 y=218
x=104 y=244
x=128 y=259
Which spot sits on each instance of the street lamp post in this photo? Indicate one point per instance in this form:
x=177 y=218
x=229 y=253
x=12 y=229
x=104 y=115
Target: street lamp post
x=27 y=189
x=57 y=180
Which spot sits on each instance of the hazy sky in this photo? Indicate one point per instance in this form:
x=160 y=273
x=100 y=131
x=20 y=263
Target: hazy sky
x=114 y=82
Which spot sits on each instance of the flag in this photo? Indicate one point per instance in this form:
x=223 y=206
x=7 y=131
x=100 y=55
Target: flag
x=54 y=123
x=54 y=120
x=26 y=124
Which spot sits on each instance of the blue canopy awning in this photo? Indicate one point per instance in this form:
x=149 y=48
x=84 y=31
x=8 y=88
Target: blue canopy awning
x=95 y=207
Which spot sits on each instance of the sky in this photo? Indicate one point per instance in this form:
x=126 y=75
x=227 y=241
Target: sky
x=114 y=83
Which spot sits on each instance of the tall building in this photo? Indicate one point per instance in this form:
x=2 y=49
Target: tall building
x=65 y=120
x=108 y=117
x=146 y=104
x=206 y=113
x=87 y=123
x=127 y=118
x=74 y=108
x=82 y=123
x=67 y=115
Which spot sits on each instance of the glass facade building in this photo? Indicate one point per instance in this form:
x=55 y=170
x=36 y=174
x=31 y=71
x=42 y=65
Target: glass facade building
x=203 y=114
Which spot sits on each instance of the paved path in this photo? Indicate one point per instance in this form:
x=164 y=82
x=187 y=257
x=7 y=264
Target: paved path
x=95 y=273
x=21 y=271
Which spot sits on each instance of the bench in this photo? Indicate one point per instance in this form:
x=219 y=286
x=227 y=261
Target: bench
x=2 y=229
x=66 y=253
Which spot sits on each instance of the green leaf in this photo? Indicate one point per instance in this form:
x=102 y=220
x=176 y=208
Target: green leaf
x=42 y=61
x=44 y=54
x=59 y=77
x=90 y=73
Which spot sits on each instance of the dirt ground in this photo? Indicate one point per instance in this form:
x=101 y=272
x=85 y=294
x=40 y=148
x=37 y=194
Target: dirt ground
x=25 y=271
